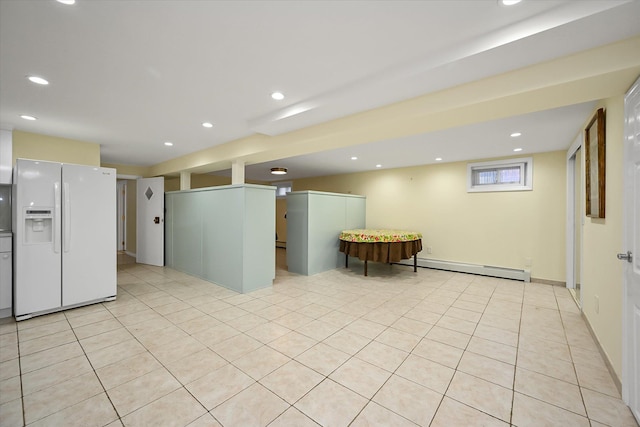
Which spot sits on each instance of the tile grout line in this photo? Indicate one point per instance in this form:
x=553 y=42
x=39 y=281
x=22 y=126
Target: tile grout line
x=515 y=366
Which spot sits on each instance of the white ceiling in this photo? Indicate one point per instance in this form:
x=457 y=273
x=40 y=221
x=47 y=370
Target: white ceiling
x=133 y=74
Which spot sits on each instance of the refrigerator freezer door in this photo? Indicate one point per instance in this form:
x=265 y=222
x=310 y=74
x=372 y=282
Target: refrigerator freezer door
x=89 y=234
x=37 y=275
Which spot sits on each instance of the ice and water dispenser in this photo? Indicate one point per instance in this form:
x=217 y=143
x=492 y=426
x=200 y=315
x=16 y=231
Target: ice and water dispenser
x=38 y=225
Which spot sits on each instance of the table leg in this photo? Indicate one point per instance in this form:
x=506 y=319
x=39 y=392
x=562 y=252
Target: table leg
x=346 y=260
x=365 y=267
x=415 y=262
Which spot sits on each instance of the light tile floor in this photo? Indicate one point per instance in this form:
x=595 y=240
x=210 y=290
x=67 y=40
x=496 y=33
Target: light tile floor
x=396 y=348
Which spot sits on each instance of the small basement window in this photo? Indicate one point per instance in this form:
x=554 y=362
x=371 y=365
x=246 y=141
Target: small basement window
x=500 y=175
x=282 y=188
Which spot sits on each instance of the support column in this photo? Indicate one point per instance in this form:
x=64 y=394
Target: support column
x=237 y=172
x=185 y=180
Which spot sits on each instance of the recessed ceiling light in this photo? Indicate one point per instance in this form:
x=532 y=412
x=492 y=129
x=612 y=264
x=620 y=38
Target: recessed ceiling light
x=26 y=117
x=66 y=1
x=378 y=166
x=38 y=80
x=515 y=134
x=517 y=149
x=354 y=158
x=438 y=159
x=279 y=171
x=278 y=96
x=504 y=2
x=207 y=125
x=168 y=144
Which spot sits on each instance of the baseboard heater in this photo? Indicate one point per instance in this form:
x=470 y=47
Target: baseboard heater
x=483 y=270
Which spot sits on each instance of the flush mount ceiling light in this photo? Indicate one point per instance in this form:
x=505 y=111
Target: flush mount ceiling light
x=502 y=2
x=517 y=149
x=38 y=80
x=168 y=144
x=279 y=171
x=27 y=117
x=515 y=134
x=278 y=96
x=354 y=158
x=207 y=125
x=68 y=2
x=378 y=166
x=438 y=159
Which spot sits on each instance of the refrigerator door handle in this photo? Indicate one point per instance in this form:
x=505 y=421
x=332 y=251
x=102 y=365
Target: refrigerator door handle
x=67 y=219
x=56 y=218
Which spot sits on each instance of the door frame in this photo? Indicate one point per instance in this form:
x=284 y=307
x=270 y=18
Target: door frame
x=571 y=214
x=121 y=203
x=627 y=241
x=125 y=179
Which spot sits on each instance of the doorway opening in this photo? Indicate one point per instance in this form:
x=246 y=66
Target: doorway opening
x=282 y=188
x=126 y=217
x=575 y=216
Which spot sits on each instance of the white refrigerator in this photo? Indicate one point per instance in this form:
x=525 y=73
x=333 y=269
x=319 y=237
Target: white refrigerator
x=64 y=223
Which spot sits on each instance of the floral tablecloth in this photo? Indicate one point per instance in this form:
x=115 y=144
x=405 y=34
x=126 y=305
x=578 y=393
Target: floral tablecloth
x=380 y=245
x=379 y=236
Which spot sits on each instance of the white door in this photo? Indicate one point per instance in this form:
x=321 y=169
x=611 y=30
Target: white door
x=150 y=221
x=631 y=320
x=89 y=265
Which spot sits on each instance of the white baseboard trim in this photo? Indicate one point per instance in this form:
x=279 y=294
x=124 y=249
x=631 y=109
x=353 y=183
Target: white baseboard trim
x=482 y=270
x=605 y=357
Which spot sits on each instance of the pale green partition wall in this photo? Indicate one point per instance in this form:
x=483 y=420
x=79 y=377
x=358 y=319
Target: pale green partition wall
x=187 y=232
x=298 y=232
x=168 y=229
x=259 y=226
x=314 y=222
x=223 y=234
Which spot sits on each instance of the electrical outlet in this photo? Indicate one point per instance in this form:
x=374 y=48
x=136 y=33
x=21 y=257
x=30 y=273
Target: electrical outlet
x=597 y=303
x=428 y=249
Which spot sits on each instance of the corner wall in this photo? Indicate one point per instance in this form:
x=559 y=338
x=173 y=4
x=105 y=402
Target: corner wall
x=34 y=146
x=502 y=229
x=602 y=272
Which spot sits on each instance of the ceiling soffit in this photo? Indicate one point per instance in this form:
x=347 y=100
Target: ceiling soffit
x=590 y=75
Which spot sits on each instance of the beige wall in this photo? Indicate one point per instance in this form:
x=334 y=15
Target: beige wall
x=200 y=180
x=130 y=170
x=602 y=273
x=197 y=181
x=500 y=229
x=171 y=183
x=204 y=180
x=34 y=146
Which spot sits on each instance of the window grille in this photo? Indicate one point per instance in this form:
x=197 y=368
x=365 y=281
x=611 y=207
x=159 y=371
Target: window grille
x=500 y=175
